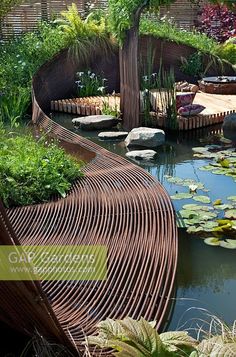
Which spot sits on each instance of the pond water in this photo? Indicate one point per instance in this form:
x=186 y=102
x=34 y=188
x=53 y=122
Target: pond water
x=206 y=275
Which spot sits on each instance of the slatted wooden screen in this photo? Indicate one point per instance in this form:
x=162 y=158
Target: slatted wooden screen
x=184 y=12
x=25 y=17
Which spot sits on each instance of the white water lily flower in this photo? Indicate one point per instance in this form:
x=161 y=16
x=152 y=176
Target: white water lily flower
x=193 y=188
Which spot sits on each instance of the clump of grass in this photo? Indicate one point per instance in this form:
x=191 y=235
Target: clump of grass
x=33 y=171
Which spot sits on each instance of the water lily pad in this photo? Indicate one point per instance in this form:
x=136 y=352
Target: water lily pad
x=232 y=198
x=206 y=216
x=219 y=171
x=231 y=213
x=224 y=207
x=203 y=199
x=188 y=214
x=181 y=196
x=206 y=168
x=191 y=221
x=194 y=229
x=223 y=222
x=212 y=241
x=229 y=244
x=176 y=180
x=208 y=226
x=196 y=207
x=200 y=149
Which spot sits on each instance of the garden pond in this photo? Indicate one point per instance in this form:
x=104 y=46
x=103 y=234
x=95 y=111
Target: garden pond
x=206 y=275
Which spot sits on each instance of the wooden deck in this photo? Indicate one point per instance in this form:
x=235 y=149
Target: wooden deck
x=217 y=107
x=215 y=103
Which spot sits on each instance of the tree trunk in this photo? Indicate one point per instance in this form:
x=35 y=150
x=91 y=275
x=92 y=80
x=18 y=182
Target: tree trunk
x=129 y=76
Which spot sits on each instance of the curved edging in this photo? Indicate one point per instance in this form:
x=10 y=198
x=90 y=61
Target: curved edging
x=121 y=206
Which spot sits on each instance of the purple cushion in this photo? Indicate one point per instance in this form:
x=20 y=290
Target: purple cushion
x=191 y=109
x=183 y=99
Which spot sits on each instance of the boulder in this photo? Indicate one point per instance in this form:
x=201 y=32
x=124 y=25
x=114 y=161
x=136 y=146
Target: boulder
x=147 y=137
x=141 y=154
x=229 y=127
x=113 y=135
x=95 y=122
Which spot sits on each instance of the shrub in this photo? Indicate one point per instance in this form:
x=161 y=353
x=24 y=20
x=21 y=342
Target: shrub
x=217 y=22
x=33 y=171
x=227 y=51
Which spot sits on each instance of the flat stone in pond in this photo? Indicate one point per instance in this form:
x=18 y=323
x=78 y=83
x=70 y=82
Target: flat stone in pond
x=112 y=135
x=95 y=122
x=141 y=154
x=147 y=137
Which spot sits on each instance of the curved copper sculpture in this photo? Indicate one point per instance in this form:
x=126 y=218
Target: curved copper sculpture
x=116 y=204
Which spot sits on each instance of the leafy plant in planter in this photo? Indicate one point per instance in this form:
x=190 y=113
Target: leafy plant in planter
x=33 y=171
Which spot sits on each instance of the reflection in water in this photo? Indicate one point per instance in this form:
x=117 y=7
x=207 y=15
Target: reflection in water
x=206 y=276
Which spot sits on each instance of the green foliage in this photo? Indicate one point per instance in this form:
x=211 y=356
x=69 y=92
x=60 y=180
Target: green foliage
x=193 y=65
x=167 y=30
x=20 y=58
x=14 y=105
x=227 y=52
x=90 y=84
x=139 y=338
x=110 y=105
x=121 y=14
x=85 y=37
x=7 y=5
x=33 y=171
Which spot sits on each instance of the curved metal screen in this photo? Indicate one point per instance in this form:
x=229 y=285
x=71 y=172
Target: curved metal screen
x=116 y=204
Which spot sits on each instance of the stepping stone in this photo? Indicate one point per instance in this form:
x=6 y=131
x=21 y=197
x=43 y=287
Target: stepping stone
x=147 y=137
x=112 y=135
x=95 y=122
x=141 y=154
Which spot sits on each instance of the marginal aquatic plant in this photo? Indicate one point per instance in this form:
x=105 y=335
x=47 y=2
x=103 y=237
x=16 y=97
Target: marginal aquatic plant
x=90 y=84
x=110 y=106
